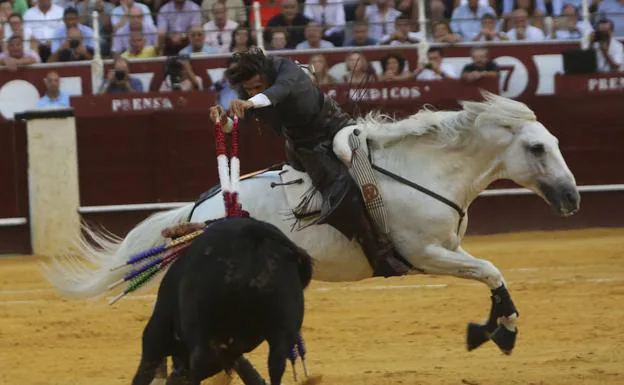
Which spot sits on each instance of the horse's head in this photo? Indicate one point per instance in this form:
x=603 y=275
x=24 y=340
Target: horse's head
x=533 y=160
x=530 y=153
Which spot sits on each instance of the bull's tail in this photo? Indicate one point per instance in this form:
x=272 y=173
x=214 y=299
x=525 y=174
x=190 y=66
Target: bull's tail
x=89 y=274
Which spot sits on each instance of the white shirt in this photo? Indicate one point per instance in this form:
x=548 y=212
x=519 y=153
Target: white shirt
x=531 y=33
x=332 y=14
x=565 y=34
x=377 y=22
x=446 y=68
x=616 y=51
x=411 y=35
x=43 y=25
x=8 y=32
x=214 y=35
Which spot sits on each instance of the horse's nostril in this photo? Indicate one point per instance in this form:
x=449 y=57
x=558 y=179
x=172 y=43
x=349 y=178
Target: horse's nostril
x=571 y=198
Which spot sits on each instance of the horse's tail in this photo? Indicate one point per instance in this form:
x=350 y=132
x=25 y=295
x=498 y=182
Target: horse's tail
x=91 y=275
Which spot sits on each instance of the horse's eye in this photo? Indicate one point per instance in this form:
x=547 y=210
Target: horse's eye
x=537 y=149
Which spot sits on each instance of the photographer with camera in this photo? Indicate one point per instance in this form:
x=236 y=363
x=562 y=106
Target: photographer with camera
x=72 y=49
x=435 y=69
x=179 y=76
x=609 y=51
x=119 y=79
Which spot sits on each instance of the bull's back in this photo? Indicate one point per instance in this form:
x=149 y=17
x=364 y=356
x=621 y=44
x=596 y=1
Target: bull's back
x=244 y=277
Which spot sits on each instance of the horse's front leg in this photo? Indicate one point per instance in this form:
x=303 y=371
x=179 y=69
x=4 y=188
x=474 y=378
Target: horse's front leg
x=501 y=324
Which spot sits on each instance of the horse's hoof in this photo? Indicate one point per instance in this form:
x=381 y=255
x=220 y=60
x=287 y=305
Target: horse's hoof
x=476 y=335
x=505 y=339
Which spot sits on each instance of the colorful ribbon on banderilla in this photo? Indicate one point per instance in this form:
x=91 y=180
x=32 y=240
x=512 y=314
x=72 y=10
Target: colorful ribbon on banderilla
x=229 y=170
x=157 y=259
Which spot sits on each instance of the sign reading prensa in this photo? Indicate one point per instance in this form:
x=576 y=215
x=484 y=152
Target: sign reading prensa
x=615 y=83
x=141 y=104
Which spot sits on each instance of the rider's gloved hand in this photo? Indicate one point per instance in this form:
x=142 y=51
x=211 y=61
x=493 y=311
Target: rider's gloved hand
x=216 y=113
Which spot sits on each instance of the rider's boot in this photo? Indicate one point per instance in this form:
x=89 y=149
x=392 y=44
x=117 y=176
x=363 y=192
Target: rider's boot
x=377 y=247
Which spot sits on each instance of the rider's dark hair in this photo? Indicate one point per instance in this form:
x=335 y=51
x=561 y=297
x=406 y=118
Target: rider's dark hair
x=248 y=64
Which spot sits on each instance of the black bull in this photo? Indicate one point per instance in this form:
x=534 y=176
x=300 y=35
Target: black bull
x=237 y=285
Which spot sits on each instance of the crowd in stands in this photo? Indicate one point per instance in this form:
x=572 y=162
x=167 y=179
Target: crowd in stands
x=33 y=31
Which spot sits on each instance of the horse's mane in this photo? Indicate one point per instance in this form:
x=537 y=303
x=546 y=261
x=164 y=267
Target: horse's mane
x=447 y=128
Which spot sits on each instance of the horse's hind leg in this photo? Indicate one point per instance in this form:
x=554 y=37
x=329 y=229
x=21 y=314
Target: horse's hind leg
x=501 y=325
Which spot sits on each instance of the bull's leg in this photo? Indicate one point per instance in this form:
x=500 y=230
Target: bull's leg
x=279 y=348
x=501 y=325
x=202 y=366
x=153 y=354
x=247 y=372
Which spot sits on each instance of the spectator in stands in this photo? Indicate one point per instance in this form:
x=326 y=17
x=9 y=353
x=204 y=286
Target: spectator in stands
x=53 y=97
x=198 y=44
x=401 y=34
x=466 y=19
x=225 y=92
x=394 y=68
x=481 y=66
x=16 y=55
x=175 y=19
x=6 y=9
x=380 y=17
x=119 y=79
x=121 y=13
x=313 y=33
x=442 y=33
x=44 y=19
x=70 y=19
x=219 y=30
x=15 y=26
x=103 y=8
x=536 y=9
x=435 y=69
x=188 y=80
x=278 y=40
x=330 y=14
x=522 y=30
x=359 y=71
x=409 y=9
x=138 y=49
x=319 y=70
x=105 y=11
x=136 y=23
x=20 y=6
x=360 y=35
x=570 y=27
x=614 y=11
x=241 y=40
x=609 y=51
x=73 y=48
x=290 y=19
x=437 y=10
x=235 y=10
x=488 y=30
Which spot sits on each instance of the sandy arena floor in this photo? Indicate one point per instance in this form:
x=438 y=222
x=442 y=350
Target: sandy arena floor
x=569 y=288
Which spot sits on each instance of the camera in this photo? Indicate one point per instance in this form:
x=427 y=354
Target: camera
x=173 y=69
x=601 y=36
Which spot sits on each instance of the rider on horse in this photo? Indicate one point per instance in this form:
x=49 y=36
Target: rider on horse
x=277 y=92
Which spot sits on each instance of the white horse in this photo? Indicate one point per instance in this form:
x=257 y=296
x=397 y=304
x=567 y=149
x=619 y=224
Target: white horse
x=456 y=154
